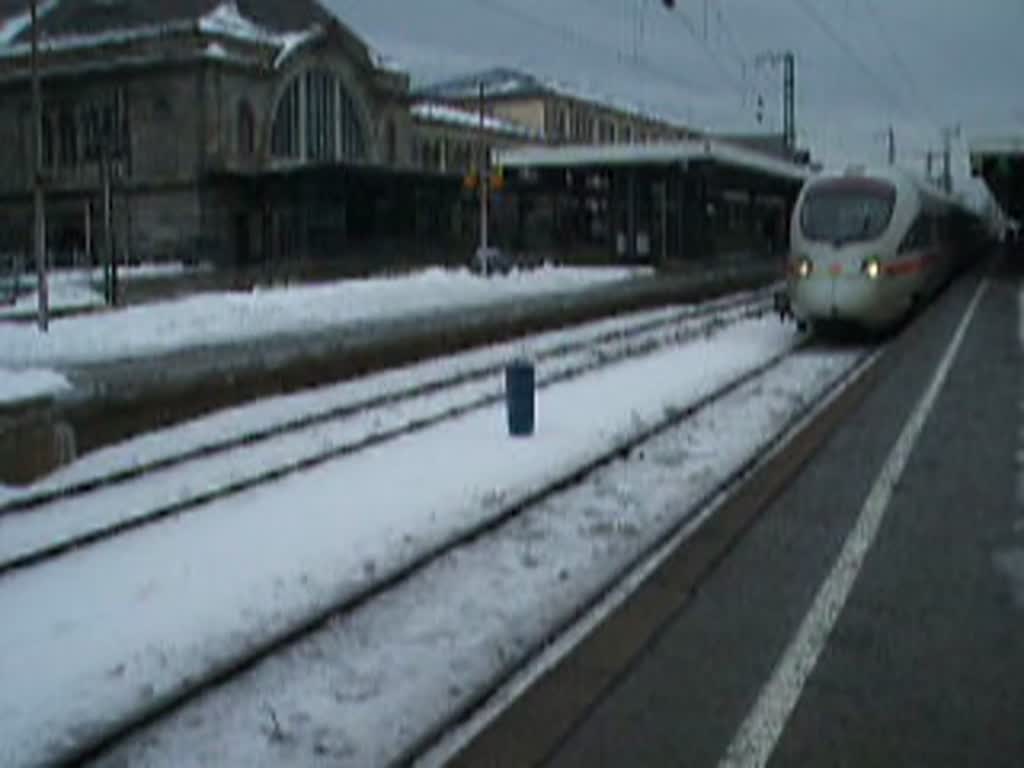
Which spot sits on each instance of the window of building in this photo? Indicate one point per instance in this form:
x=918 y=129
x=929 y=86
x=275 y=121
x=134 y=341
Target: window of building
x=579 y=124
x=321 y=115
x=607 y=132
x=246 y=130
x=627 y=134
x=284 y=140
x=47 y=142
x=316 y=119
x=68 y=138
x=392 y=142
x=94 y=129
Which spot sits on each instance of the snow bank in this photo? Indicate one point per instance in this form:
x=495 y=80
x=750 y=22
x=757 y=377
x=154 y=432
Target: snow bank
x=217 y=318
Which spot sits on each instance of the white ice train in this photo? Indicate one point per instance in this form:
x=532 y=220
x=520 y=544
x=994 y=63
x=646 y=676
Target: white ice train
x=867 y=247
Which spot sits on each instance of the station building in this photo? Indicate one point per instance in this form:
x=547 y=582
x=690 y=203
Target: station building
x=187 y=103
x=250 y=133
x=558 y=112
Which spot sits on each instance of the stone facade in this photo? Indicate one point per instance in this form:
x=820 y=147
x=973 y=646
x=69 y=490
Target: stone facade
x=175 y=107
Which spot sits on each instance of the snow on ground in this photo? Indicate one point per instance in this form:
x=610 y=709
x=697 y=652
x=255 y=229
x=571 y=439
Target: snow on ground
x=174 y=601
x=80 y=288
x=72 y=517
x=214 y=318
x=367 y=687
x=266 y=413
x=29 y=384
x=66 y=291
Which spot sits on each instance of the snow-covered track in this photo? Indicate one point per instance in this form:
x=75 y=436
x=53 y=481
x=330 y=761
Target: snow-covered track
x=726 y=508
x=194 y=688
x=568 y=360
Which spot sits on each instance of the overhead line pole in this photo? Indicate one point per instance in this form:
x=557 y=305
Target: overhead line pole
x=38 y=203
x=788 y=59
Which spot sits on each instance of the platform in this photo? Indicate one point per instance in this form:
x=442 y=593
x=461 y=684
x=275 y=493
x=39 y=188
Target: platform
x=924 y=661
x=118 y=399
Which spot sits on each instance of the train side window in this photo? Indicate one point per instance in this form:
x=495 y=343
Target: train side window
x=919 y=235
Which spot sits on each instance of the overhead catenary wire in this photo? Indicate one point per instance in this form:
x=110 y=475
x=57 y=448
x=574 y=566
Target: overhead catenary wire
x=678 y=17
x=573 y=35
x=899 y=61
x=823 y=24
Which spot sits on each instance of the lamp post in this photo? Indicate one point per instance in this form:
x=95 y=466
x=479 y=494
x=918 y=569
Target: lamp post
x=39 y=212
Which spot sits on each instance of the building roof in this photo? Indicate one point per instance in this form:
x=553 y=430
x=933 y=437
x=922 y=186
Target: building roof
x=505 y=83
x=449 y=115
x=64 y=25
x=67 y=18
x=998 y=145
x=497 y=82
x=659 y=153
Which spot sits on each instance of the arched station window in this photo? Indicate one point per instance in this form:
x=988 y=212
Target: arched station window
x=316 y=119
x=246 y=130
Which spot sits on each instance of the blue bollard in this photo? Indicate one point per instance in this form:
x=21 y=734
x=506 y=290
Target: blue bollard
x=519 y=397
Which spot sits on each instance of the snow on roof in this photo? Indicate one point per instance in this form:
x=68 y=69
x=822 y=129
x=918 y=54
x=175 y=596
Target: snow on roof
x=443 y=113
x=224 y=21
x=658 y=153
x=14 y=26
x=998 y=145
x=501 y=81
x=292 y=41
x=385 y=62
x=92 y=40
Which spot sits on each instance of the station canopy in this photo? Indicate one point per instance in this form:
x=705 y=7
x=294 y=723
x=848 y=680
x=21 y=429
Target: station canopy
x=999 y=160
x=683 y=153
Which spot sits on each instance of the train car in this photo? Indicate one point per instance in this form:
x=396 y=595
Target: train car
x=869 y=246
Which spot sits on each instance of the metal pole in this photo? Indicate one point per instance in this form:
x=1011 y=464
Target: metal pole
x=483 y=174
x=892 y=146
x=87 y=210
x=664 y=221
x=108 y=242
x=39 y=212
x=947 y=181
x=789 y=96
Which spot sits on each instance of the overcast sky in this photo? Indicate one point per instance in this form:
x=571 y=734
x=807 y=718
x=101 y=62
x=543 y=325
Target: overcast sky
x=861 y=64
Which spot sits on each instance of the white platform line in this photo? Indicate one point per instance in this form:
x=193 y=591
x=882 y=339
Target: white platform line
x=756 y=738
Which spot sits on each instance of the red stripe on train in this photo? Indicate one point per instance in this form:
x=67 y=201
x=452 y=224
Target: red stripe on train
x=910 y=266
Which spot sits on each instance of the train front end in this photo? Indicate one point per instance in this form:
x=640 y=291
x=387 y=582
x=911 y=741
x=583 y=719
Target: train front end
x=841 y=233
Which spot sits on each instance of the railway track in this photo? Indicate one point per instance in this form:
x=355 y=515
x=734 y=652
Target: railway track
x=196 y=688
x=48 y=524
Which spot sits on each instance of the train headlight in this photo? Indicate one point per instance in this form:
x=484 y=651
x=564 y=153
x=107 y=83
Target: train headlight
x=804 y=267
x=872 y=267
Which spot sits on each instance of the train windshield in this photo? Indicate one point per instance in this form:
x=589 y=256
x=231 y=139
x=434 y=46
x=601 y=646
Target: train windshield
x=847 y=210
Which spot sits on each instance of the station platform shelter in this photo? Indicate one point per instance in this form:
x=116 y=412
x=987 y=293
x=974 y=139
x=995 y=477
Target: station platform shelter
x=1000 y=162
x=663 y=204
